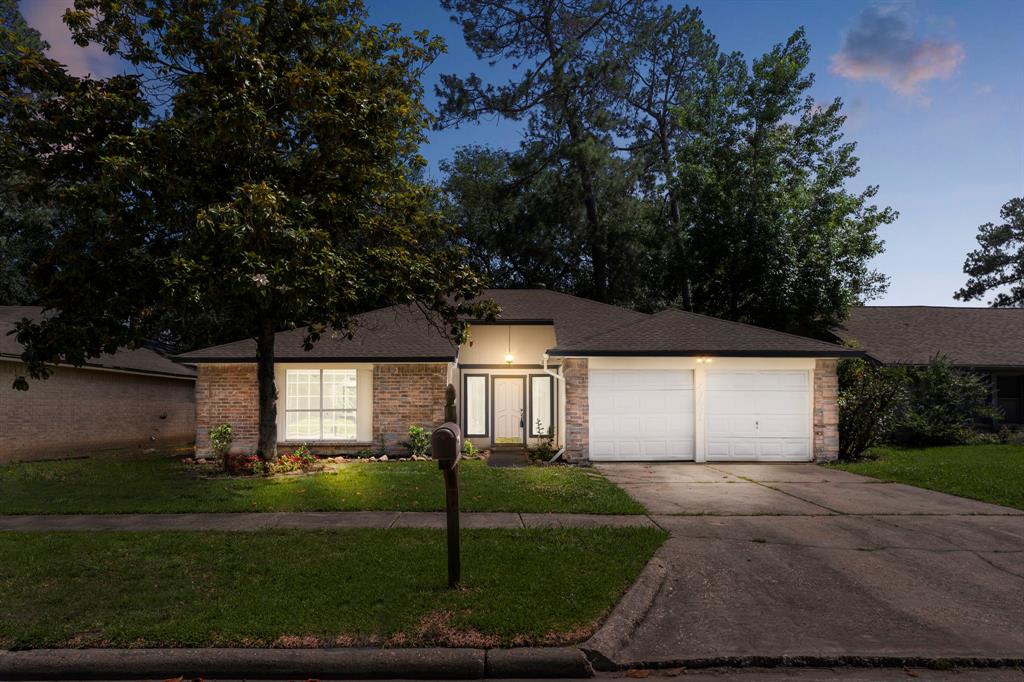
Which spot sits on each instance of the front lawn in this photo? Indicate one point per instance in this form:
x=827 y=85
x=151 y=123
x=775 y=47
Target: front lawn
x=161 y=484
x=990 y=473
x=320 y=588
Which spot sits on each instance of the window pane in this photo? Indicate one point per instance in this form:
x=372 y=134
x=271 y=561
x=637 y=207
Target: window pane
x=476 y=405
x=339 y=389
x=302 y=425
x=339 y=425
x=302 y=389
x=540 y=424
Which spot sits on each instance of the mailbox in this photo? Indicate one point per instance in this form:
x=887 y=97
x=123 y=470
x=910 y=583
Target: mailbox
x=446 y=445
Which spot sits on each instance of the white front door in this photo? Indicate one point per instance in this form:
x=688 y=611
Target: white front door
x=758 y=415
x=508 y=409
x=641 y=415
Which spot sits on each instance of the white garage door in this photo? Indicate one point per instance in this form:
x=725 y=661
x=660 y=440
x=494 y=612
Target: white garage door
x=758 y=415
x=641 y=415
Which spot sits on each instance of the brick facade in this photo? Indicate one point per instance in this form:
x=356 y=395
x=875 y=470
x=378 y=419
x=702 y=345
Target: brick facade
x=403 y=395
x=826 y=411
x=576 y=375
x=227 y=394
x=407 y=395
x=77 y=411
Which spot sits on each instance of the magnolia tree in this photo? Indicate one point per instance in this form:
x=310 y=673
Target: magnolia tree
x=257 y=163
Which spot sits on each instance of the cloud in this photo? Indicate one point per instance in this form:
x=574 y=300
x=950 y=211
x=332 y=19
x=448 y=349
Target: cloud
x=881 y=46
x=46 y=16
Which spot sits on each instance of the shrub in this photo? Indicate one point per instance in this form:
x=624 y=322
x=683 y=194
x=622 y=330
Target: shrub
x=871 y=400
x=944 y=405
x=469 y=451
x=220 y=444
x=418 y=442
x=546 y=450
x=220 y=441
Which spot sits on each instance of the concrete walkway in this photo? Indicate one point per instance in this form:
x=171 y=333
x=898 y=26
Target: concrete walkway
x=799 y=561
x=308 y=521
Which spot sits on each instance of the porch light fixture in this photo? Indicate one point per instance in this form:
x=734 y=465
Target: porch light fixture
x=508 y=354
x=704 y=360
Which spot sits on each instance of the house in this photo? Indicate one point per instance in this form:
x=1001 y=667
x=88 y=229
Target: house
x=604 y=382
x=128 y=399
x=989 y=341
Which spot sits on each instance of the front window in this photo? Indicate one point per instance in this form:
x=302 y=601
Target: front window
x=320 y=404
x=541 y=406
x=476 y=405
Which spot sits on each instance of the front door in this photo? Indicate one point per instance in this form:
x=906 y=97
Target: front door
x=508 y=410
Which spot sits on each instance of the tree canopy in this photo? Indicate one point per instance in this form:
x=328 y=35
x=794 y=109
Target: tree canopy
x=662 y=170
x=259 y=169
x=997 y=265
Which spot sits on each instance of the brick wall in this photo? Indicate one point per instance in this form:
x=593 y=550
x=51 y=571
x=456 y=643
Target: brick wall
x=78 y=411
x=404 y=395
x=577 y=408
x=826 y=410
x=227 y=394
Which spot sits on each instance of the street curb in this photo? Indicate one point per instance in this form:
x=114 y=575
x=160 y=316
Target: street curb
x=256 y=664
x=563 y=662
x=609 y=639
x=839 y=661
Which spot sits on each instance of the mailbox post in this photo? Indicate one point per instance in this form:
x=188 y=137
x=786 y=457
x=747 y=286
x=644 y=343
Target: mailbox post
x=446 y=445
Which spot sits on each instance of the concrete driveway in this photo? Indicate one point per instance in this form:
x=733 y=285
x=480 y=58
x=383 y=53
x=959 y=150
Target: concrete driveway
x=795 y=560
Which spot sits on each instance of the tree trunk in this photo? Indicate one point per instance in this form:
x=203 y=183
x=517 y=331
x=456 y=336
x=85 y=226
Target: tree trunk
x=267 y=445
x=674 y=217
x=577 y=133
x=598 y=251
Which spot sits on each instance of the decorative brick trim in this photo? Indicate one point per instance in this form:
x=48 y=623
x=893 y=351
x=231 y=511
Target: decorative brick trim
x=227 y=394
x=406 y=395
x=575 y=373
x=826 y=411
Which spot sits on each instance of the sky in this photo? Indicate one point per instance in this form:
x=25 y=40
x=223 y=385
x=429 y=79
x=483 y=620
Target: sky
x=933 y=91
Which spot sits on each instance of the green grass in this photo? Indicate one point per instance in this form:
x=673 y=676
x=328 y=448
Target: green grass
x=312 y=588
x=161 y=484
x=991 y=473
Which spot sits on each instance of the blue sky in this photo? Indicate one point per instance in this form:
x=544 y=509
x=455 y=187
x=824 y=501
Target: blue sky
x=934 y=92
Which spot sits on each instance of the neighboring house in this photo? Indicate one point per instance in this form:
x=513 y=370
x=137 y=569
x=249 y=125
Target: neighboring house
x=130 y=399
x=605 y=382
x=989 y=341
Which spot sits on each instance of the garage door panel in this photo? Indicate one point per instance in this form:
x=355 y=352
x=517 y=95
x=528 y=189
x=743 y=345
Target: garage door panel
x=782 y=425
x=758 y=414
x=684 y=447
x=726 y=401
x=780 y=402
x=602 y=403
x=641 y=414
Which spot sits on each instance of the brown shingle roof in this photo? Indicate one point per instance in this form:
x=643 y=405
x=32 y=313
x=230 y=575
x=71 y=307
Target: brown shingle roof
x=402 y=333
x=395 y=334
x=574 y=318
x=582 y=327
x=675 y=333
x=142 y=360
x=969 y=337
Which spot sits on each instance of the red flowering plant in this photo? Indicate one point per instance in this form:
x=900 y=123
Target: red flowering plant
x=301 y=459
x=253 y=465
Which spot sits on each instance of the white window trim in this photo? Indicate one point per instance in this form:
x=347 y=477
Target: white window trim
x=320 y=410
